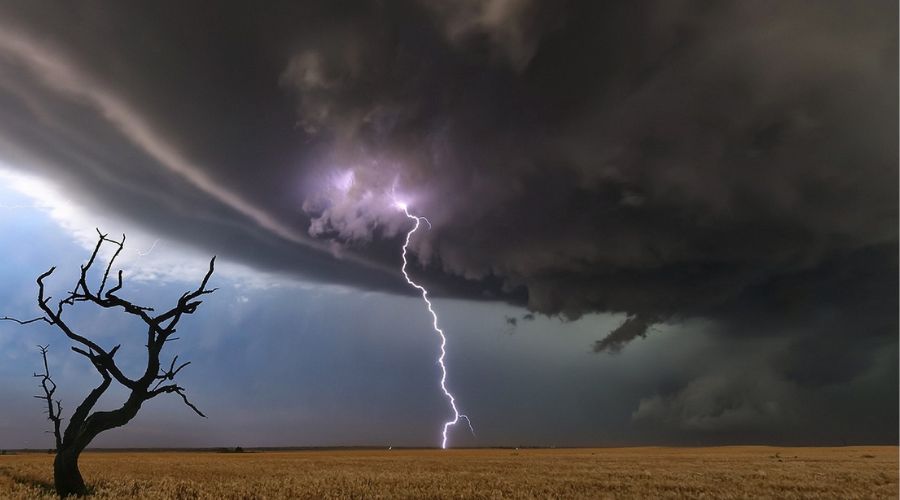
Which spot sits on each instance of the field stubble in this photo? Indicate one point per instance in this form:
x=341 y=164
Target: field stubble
x=725 y=472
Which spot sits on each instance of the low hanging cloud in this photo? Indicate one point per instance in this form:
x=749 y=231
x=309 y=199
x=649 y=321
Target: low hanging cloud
x=665 y=160
x=717 y=404
x=630 y=329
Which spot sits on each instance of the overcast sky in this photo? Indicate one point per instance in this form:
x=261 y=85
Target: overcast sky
x=665 y=222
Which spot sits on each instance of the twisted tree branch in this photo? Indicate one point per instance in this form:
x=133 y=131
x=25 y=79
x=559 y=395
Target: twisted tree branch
x=26 y=322
x=49 y=388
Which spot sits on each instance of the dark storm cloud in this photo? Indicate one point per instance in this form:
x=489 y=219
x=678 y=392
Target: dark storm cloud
x=729 y=160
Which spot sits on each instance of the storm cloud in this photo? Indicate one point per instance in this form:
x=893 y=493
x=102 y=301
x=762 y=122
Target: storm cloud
x=732 y=161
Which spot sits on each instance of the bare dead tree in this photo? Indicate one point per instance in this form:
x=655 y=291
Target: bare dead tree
x=85 y=423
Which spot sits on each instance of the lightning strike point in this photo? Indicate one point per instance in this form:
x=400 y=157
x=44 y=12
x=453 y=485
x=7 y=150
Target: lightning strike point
x=457 y=416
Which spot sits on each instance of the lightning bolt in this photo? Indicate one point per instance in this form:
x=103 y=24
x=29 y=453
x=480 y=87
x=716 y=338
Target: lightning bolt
x=457 y=416
x=150 y=250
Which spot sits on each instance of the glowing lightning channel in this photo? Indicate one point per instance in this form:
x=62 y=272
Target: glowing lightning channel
x=457 y=416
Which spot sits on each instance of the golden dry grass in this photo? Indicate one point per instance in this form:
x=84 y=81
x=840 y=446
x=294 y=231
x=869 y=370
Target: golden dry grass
x=725 y=472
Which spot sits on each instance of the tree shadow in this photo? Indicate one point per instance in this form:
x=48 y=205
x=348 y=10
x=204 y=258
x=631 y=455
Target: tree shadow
x=44 y=486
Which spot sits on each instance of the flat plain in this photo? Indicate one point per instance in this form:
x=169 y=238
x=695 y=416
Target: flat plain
x=719 y=472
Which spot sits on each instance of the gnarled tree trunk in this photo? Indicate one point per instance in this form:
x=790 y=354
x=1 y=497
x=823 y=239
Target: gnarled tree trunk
x=66 y=477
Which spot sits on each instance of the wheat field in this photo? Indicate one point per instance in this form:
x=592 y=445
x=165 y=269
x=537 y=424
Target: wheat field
x=721 y=472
